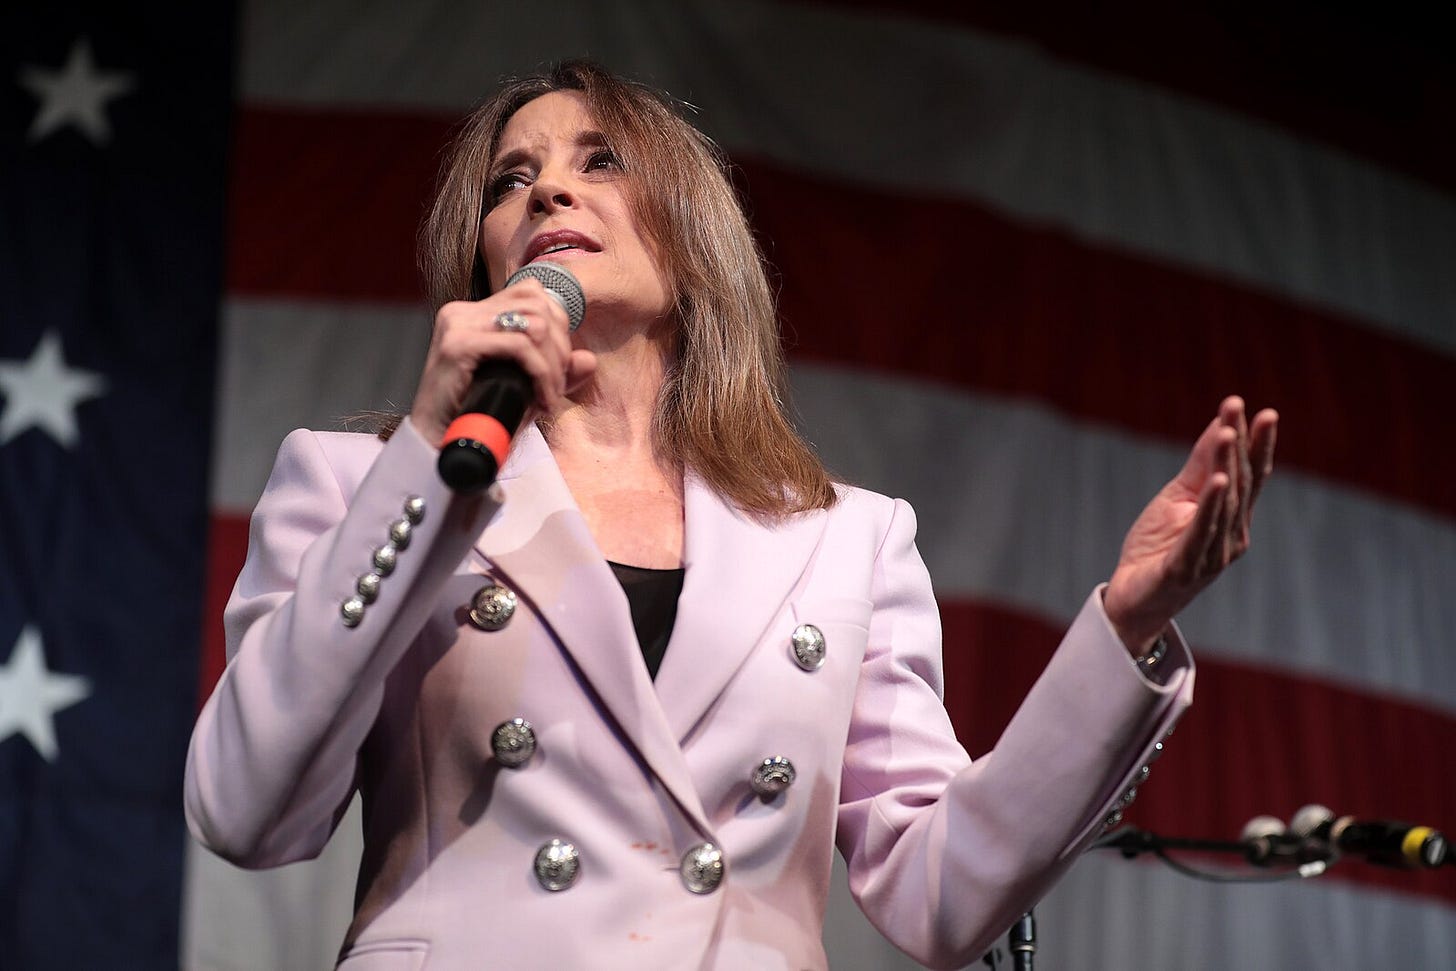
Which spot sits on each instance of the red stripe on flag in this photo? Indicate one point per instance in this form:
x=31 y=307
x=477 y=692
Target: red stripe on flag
x=227 y=547
x=1256 y=741
x=325 y=206
x=329 y=204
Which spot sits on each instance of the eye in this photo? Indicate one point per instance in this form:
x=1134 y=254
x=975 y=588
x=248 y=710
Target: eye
x=603 y=159
x=506 y=183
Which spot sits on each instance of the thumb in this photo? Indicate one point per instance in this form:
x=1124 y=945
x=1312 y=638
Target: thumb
x=580 y=366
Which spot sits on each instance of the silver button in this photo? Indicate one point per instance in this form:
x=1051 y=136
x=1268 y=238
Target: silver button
x=513 y=742
x=557 y=865
x=414 y=509
x=773 y=775
x=1142 y=775
x=807 y=646
x=352 y=610
x=368 y=587
x=1113 y=818
x=492 y=606
x=702 y=868
x=384 y=559
x=399 y=533
x=1127 y=797
x=1156 y=753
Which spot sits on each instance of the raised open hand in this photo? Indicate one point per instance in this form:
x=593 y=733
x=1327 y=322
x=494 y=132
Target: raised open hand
x=1194 y=527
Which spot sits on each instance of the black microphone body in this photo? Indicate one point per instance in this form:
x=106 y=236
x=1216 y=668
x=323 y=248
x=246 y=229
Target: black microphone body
x=500 y=392
x=1382 y=841
x=501 y=389
x=1390 y=843
x=1267 y=842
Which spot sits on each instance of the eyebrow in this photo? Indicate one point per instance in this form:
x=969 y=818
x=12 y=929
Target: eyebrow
x=587 y=138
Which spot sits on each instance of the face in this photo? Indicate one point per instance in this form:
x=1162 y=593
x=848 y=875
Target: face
x=556 y=192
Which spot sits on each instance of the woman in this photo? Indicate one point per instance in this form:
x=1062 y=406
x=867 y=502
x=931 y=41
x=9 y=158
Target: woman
x=537 y=791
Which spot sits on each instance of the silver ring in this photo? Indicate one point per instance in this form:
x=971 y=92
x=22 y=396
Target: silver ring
x=512 y=321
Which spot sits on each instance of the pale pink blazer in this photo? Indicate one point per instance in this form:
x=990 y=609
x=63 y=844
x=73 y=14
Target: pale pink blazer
x=943 y=853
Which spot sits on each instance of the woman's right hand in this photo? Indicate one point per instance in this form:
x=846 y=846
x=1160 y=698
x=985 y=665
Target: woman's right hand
x=466 y=333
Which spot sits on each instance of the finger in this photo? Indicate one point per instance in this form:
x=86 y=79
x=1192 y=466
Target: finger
x=1216 y=553
x=539 y=354
x=1203 y=460
x=1201 y=532
x=547 y=323
x=530 y=293
x=1232 y=465
x=1244 y=481
x=1230 y=528
x=1264 y=432
x=547 y=375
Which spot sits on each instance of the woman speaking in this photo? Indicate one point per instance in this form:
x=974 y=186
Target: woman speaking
x=618 y=709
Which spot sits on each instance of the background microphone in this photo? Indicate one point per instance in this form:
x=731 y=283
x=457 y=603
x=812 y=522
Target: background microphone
x=476 y=443
x=1268 y=843
x=1386 y=842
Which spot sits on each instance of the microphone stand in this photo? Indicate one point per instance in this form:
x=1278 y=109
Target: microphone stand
x=1132 y=842
x=1308 y=858
x=1021 y=942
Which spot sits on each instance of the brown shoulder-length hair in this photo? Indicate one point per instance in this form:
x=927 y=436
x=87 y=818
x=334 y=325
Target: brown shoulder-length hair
x=722 y=410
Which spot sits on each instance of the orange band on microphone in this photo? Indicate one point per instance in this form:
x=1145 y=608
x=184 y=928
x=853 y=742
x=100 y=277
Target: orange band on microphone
x=483 y=429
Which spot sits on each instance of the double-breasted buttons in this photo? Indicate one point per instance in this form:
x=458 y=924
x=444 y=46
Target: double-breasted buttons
x=1112 y=819
x=557 y=865
x=384 y=558
x=773 y=775
x=702 y=868
x=492 y=606
x=808 y=647
x=513 y=742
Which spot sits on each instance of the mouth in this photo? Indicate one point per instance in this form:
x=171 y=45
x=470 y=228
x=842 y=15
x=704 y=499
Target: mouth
x=558 y=244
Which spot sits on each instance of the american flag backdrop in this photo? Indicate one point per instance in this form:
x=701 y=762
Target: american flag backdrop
x=1020 y=256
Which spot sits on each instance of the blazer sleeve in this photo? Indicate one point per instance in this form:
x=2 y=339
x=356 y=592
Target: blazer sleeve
x=945 y=853
x=272 y=760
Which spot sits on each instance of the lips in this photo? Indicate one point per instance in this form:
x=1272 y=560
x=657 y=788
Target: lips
x=560 y=241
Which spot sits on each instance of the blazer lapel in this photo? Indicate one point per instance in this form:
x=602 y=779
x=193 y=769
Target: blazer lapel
x=739 y=574
x=542 y=547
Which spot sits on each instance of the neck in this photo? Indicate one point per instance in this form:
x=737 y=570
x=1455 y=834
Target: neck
x=614 y=411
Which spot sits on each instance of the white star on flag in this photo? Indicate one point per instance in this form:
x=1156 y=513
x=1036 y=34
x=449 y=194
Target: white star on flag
x=76 y=94
x=43 y=392
x=30 y=695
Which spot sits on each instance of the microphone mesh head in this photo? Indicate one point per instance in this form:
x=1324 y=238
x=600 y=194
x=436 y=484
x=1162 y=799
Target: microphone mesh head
x=1309 y=818
x=558 y=282
x=1262 y=827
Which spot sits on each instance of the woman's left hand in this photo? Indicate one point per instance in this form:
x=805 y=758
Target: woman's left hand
x=1195 y=526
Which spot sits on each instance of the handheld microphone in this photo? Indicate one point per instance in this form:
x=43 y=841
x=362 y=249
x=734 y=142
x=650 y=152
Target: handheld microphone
x=476 y=443
x=1381 y=841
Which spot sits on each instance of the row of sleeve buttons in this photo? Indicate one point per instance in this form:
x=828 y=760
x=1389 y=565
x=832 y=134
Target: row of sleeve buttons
x=384 y=558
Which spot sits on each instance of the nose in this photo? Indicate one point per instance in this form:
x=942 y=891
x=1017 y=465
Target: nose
x=550 y=192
